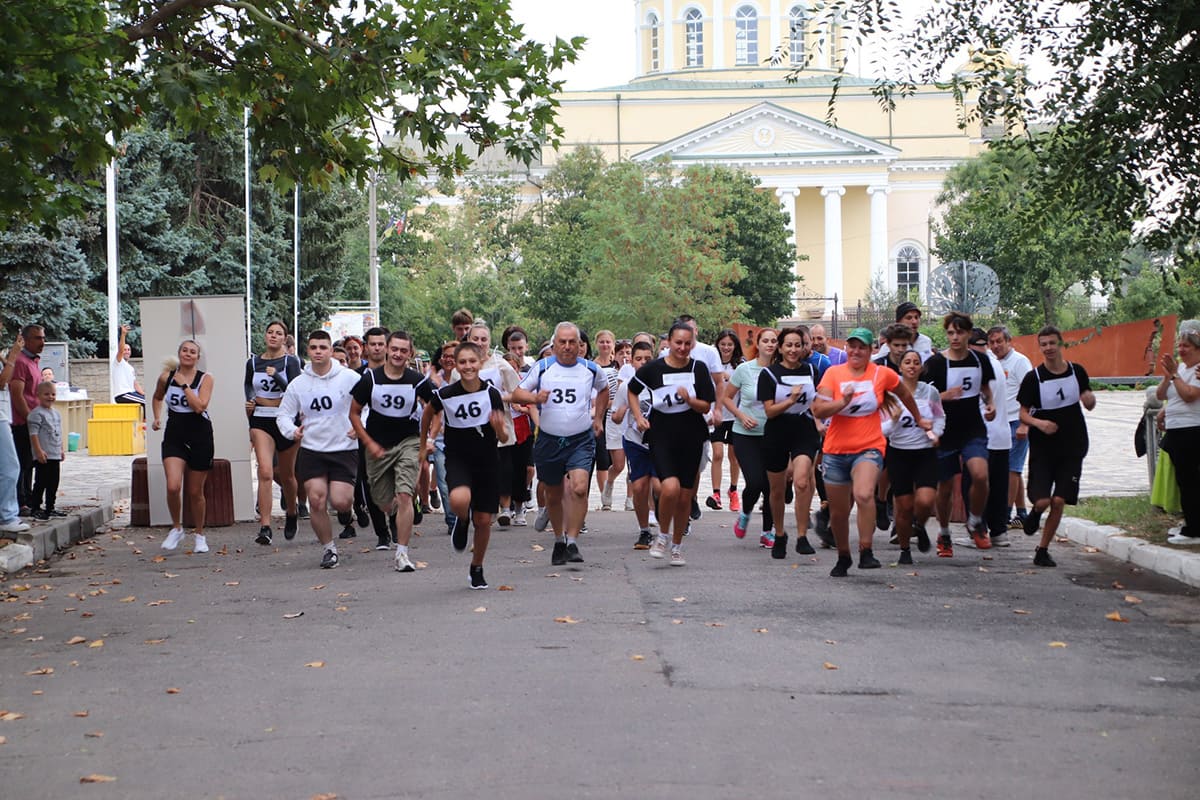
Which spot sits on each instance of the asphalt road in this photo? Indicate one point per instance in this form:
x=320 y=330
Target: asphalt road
x=736 y=676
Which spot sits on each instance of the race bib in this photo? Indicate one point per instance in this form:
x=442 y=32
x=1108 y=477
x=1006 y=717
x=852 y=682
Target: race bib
x=467 y=410
x=394 y=400
x=863 y=401
x=783 y=390
x=968 y=378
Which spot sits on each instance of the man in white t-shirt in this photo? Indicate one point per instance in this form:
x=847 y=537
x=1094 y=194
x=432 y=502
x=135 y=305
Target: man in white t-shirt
x=999 y=442
x=1016 y=366
x=126 y=388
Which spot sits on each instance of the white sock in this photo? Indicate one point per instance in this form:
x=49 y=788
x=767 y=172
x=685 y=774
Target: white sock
x=571 y=540
x=973 y=520
x=945 y=530
x=675 y=548
x=331 y=547
x=401 y=548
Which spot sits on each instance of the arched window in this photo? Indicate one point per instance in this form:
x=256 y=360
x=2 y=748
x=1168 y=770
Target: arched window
x=746 y=36
x=797 y=30
x=693 y=30
x=652 y=24
x=908 y=270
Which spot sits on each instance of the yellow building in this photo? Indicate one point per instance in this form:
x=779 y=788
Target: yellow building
x=858 y=196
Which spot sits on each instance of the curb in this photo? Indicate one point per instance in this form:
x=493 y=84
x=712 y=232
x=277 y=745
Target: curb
x=1181 y=565
x=48 y=537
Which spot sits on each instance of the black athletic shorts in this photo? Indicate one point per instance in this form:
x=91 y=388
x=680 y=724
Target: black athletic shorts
x=190 y=437
x=909 y=470
x=1054 y=473
x=481 y=473
x=340 y=466
x=271 y=426
x=723 y=433
x=603 y=459
x=787 y=437
x=677 y=457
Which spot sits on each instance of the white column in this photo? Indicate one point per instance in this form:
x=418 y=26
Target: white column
x=718 y=37
x=833 y=245
x=787 y=204
x=879 y=237
x=776 y=29
x=639 y=32
x=666 y=40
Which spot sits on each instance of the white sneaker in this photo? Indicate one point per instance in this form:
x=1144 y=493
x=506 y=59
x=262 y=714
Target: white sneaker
x=504 y=518
x=653 y=518
x=173 y=539
x=201 y=544
x=16 y=526
x=519 y=518
x=606 y=497
x=403 y=562
x=659 y=548
x=677 y=559
x=542 y=519
x=629 y=504
x=1177 y=537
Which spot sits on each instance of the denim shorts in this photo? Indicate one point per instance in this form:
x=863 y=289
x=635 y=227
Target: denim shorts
x=837 y=467
x=951 y=460
x=1018 y=451
x=555 y=456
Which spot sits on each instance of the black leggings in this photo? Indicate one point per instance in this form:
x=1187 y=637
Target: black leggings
x=1184 y=449
x=521 y=456
x=749 y=452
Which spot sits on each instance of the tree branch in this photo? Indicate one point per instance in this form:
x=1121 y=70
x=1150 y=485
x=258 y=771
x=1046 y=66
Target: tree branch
x=168 y=11
x=257 y=13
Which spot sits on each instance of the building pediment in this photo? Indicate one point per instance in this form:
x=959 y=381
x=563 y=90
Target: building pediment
x=769 y=134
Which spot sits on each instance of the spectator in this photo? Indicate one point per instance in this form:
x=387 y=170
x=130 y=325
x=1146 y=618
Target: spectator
x=27 y=374
x=125 y=385
x=1181 y=391
x=10 y=467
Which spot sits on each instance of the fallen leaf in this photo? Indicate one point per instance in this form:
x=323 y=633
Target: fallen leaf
x=537 y=548
x=3 y=740
x=1133 y=599
x=676 y=622
x=325 y=796
x=19 y=587
x=760 y=630
x=679 y=599
x=159 y=559
x=1020 y=611
x=638 y=657
x=83 y=713
x=293 y=615
x=94 y=778
x=97 y=643
x=505 y=588
x=343 y=594
x=86 y=614
x=1118 y=585
x=37 y=693
x=11 y=716
x=421 y=564
x=481 y=609
x=315 y=664
x=41 y=671
x=76 y=640
x=828 y=665
x=342 y=608
x=94 y=734
x=1090 y=549
x=830 y=641
x=170 y=574
x=1058 y=644
x=154 y=603
x=984 y=569
x=1115 y=616
x=580 y=580
x=129 y=599
x=552 y=575
x=566 y=620
x=319 y=587
x=173 y=690
x=69 y=610
x=715 y=624
x=233 y=583
x=35 y=639
x=154 y=641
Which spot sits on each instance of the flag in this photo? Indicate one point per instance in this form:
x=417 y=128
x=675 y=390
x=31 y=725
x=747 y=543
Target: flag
x=397 y=225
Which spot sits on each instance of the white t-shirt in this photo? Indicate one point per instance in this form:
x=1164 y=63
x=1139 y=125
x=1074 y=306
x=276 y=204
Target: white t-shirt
x=998 y=430
x=1179 y=413
x=568 y=409
x=124 y=377
x=1016 y=366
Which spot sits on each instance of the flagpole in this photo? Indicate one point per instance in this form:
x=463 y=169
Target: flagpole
x=246 y=138
x=296 y=266
x=114 y=290
x=373 y=249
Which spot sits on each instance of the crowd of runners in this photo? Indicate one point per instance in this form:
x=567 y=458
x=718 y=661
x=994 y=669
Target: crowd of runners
x=364 y=431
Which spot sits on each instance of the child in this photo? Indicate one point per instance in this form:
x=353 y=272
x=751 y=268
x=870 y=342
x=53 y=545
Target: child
x=45 y=438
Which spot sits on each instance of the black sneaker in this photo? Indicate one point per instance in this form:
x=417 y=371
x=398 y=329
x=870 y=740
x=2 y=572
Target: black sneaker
x=302 y=510
x=882 y=520
x=867 y=560
x=826 y=537
x=384 y=543
x=458 y=539
x=289 y=526
x=844 y=563
x=477 y=579
x=922 y=537
x=779 y=549
x=905 y=556
x=329 y=560
x=558 y=556
x=644 y=541
x=696 y=512
x=361 y=516
x=348 y=532
x=803 y=547
x=1031 y=523
x=573 y=555
x=435 y=499
x=40 y=514
x=264 y=536
x=54 y=512
x=1041 y=558
x=418 y=512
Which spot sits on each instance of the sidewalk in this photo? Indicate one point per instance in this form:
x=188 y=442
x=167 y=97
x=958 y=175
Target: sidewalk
x=95 y=490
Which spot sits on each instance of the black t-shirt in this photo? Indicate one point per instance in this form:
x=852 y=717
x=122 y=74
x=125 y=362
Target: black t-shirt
x=395 y=413
x=257 y=383
x=1056 y=398
x=964 y=420
x=467 y=416
x=669 y=415
x=884 y=361
x=776 y=381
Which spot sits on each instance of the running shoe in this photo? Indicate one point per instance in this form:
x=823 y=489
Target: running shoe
x=504 y=518
x=435 y=499
x=867 y=560
x=329 y=560
x=659 y=548
x=573 y=556
x=57 y=513
x=290 y=522
x=302 y=510
x=384 y=542
x=922 y=537
x=803 y=547
x=979 y=536
x=739 y=525
x=1000 y=540
x=477 y=579
x=16 y=526
x=418 y=512
x=403 y=562
x=264 y=536
x=1177 y=536
x=882 y=520
x=677 y=559
x=519 y=518
x=173 y=539
x=905 y=557
x=41 y=515
x=696 y=512
x=458 y=539
x=826 y=536
x=767 y=539
x=1032 y=521
x=779 y=546
x=348 y=532
x=583 y=529
x=542 y=519
x=201 y=545
x=361 y=516
x=735 y=502
x=842 y=566
x=628 y=503
x=558 y=556
x=1041 y=558
x=945 y=547
x=713 y=501
x=894 y=538
x=644 y=541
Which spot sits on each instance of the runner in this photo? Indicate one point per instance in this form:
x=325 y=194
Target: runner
x=267 y=378
x=897 y=340
x=850 y=396
x=394 y=393
x=497 y=372
x=562 y=386
x=328 y=459
x=791 y=436
x=910 y=315
x=681 y=393
x=749 y=423
x=187 y=445
x=962 y=377
x=820 y=344
x=472 y=414
x=730 y=350
x=461 y=321
x=637 y=454
x=999 y=442
x=1016 y=366
x=710 y=357
x=610 y=460
x=441 y=371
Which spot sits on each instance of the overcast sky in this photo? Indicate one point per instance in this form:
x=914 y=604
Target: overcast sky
x=608 y=56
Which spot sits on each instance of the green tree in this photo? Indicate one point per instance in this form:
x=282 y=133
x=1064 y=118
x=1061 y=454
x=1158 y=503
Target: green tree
x=319 y=78
x=43 y=281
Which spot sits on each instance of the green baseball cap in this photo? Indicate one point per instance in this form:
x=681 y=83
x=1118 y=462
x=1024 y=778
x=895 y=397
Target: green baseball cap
x=864 y=335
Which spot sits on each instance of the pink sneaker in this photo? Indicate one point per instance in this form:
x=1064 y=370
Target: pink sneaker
x=767 y=540
x=739 y=525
